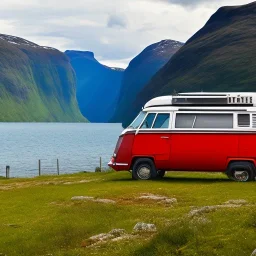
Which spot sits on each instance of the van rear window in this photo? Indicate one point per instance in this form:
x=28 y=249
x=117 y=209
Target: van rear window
x=204 y=121
x=243 y=120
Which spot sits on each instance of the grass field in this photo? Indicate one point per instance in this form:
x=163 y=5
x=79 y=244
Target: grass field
x=38 y=217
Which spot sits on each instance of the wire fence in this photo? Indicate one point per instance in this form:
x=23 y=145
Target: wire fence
x=52 y=167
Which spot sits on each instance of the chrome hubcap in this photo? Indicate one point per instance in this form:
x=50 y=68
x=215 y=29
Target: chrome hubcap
x=144 y=173
x=241 y=175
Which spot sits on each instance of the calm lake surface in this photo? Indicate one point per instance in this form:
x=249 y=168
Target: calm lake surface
x=78 y=146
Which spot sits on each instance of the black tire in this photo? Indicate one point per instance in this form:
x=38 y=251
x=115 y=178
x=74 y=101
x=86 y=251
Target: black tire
x=144 y=169
x=161 y=173
x=241 y=171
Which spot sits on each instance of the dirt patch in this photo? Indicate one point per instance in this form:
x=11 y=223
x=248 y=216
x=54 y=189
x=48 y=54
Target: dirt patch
x=78 y=182
x=27 y=184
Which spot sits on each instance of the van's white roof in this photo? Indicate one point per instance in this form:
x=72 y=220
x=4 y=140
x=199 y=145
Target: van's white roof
x=168 y=100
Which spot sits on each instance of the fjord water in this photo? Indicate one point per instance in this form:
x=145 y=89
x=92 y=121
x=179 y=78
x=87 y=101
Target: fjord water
x=78 y=146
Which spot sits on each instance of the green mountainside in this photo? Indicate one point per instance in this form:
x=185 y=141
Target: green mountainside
x=37 y=84
x=219 y=57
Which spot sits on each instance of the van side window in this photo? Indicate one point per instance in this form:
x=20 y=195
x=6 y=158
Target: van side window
x=224 y=121
x=147 y=124
x=162 y=121
x=243 y=120
x=204 y=121
x=184 y=120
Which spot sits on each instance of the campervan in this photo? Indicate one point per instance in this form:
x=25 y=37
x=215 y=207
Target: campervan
x=193 y=132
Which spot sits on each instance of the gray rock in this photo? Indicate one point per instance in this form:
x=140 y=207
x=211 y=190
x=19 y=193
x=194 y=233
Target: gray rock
x=254 y=253
x=144 y=227
x=104 y=201
x=159 y=199
x=170 y=201
x=90 y=198
x=101 y=237
x=237 y=202
x=118 y=232
x=112 y=236
x=81 y=198
x=153 y=197
x=212 y=208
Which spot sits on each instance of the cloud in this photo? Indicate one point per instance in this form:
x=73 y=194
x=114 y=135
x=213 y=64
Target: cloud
x=199 y=3
x=115 y=20
x=115 y=30
x=187 y=2
x=120 y=63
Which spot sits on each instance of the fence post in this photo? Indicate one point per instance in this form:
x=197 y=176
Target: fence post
x=58 y=167
x=39 y=167
x=100 y=165
x=7 y=171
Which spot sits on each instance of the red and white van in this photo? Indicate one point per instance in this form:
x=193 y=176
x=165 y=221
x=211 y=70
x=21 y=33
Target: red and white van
x=208 y=132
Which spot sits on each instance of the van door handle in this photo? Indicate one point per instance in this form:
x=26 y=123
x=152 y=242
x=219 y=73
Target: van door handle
x=165 y=138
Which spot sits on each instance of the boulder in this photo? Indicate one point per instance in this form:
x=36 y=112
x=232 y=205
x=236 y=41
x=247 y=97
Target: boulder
x=144 y=227
x=237 y=202
x=81 y=198
x=254 y=253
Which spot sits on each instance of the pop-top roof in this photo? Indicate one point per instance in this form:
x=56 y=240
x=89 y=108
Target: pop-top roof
x=205 y=99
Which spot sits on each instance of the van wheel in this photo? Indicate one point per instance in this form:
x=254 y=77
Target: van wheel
x=144 y=169
x=160 y=173
x=241 y=171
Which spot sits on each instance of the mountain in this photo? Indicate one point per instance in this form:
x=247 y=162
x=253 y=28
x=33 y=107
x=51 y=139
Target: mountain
x=219 y=57
x=37 y=84
x=139 y=72
x=98 y=86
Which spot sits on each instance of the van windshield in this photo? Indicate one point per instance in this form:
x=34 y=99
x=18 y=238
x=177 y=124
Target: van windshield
x=136 y=123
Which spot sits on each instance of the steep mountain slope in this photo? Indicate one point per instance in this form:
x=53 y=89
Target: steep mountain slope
x=98 y=86
x=36 y=83
x=138 y=74
x=219 y=57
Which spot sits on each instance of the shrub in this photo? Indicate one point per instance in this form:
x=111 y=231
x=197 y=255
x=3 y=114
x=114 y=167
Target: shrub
x=97 y=169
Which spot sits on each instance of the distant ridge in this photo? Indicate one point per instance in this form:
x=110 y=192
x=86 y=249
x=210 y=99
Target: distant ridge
x=139 y=72
x=98 y=86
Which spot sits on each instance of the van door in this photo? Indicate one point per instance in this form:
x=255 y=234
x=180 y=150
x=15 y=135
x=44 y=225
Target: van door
x=153 y=139
x=200 y=143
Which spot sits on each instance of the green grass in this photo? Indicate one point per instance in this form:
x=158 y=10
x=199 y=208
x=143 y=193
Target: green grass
x=37 y=215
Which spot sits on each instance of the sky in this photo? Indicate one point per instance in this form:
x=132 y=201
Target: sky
x=115 y=30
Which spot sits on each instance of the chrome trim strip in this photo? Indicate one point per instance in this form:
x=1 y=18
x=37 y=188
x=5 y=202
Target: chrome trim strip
x=194 y=131
x=120 y=164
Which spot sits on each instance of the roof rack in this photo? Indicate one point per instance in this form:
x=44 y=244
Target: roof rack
x=206 y=99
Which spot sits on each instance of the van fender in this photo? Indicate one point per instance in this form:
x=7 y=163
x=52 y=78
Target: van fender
x=232 y=160
x=134 y=158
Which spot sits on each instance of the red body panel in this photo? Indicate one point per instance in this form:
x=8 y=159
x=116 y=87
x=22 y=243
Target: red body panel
x=123 y=158
x=186 y=151
x=202 y=152
x=154 y=145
